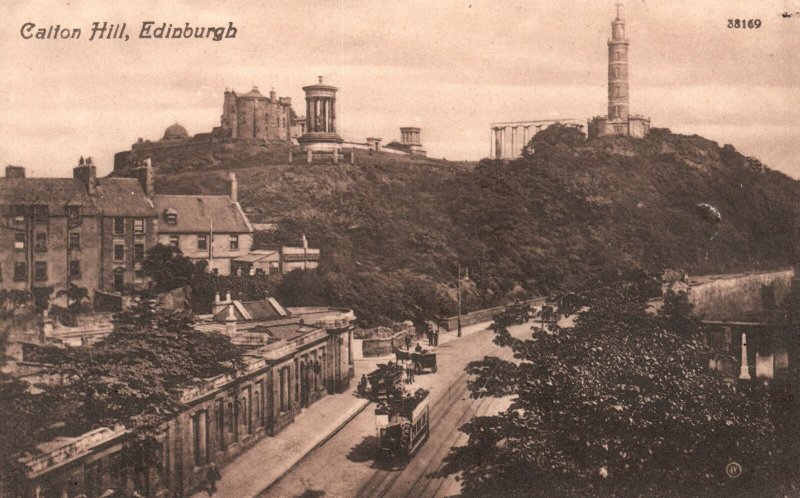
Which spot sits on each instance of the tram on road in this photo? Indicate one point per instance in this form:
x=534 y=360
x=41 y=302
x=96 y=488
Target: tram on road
x=403 y=425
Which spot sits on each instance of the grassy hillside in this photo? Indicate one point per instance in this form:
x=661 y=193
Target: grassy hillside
x=393 y=230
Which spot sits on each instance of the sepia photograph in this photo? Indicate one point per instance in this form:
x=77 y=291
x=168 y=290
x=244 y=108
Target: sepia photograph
x=398 y=248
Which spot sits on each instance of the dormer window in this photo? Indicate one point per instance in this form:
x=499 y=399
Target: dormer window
x=171 y=217
x=73 y=215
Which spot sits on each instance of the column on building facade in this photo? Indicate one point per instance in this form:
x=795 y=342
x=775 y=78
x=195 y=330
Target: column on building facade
x=333 y=115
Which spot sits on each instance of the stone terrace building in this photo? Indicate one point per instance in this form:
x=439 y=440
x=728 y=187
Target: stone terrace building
x=294 y=359
x=82 y=231
x=211 y=228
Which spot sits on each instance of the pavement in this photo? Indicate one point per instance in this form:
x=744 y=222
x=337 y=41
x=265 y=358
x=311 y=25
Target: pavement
x=272 y=457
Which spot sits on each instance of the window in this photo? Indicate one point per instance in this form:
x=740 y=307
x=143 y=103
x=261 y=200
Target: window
x=234 y=240
x=73 y=215
x=199 y=439
x=138 y=276
x=284 y=389
x=40 y=214
x=138 y=252
x=40 y=242
x=75 y=269
x=220 y=410
x=40 y=271
x=18 y=212
x=20 y=271
x=172 y=218
x=173 y=241
x=138 y=225
x=202 y=242
x=74 y=242
x=119 y=226
x=119 y=252
x=19 y=241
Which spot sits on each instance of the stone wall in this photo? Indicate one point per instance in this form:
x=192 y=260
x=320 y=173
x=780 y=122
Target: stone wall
x=726 y=297
x=485 y=315
x=372 y=348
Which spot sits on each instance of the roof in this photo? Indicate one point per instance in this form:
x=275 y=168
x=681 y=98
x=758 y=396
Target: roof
x=266 y=309
x=175 y=132
x=253 y=93
x=254 y=256
x=197 y=214
x=122 y=197
x=55 y=193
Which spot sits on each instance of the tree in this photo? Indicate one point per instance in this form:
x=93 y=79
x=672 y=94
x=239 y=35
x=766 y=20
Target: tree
x=619 y=405
x=168 y=268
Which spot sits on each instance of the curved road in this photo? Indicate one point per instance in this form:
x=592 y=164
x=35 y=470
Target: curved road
x=344 y=465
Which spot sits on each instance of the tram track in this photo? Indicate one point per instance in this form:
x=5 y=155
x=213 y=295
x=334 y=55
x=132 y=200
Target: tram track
x=382 y=481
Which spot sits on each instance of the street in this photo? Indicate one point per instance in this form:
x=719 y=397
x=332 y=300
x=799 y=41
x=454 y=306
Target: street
x=344 y=465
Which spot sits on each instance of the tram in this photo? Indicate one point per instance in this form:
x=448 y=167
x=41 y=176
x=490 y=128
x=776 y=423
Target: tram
x=403 y=425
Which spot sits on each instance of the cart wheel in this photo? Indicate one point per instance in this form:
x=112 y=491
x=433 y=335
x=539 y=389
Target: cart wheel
x=433 y=369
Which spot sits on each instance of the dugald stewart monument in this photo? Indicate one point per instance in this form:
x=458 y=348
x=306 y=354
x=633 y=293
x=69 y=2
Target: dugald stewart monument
x=308 y=277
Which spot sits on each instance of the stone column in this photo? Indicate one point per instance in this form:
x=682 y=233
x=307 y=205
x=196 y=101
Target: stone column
x=513 y=142
x=333 y=115
x=308 y=115
x=491 y=143
x=744 y=371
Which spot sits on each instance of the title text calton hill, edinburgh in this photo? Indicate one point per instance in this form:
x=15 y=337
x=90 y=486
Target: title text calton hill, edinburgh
x=150 y=30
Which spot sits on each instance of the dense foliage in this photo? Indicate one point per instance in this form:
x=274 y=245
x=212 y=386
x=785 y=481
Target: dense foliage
x=131 y=377
x=619 y=405
x=545 y=222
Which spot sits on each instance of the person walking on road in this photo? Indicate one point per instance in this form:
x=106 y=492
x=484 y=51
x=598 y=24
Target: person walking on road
x=213 y=476
x=408 y=342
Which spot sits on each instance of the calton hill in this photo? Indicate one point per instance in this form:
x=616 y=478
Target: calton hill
x=393 y=231
x=621 y=403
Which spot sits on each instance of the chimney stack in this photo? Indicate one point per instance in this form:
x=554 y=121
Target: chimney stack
x=86 y=173
x=273 y=96
x=15 y=171
x=234 y=187
x=146 y=176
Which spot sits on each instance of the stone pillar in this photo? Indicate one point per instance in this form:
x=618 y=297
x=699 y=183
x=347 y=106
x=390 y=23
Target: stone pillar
x=514 y=142
x=744 y=371
x=491 y=143
x=308 y=114
x=335 y=156
x=333 y=115
x=290 y=156
x=309 y=156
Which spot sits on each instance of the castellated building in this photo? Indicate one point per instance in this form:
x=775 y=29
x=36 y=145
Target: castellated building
x=251 y=120
x=619 y=121
x=252 y=115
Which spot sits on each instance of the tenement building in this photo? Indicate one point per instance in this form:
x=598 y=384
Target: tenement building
x=210 y=228
x=82 y=231
x=619 y=121
x=295 y=356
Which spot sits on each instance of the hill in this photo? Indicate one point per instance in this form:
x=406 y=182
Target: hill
x=393 y=230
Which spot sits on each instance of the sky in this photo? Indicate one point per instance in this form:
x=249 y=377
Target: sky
x=451 y=67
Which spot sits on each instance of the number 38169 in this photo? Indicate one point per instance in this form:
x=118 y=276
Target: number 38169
x=744 y=23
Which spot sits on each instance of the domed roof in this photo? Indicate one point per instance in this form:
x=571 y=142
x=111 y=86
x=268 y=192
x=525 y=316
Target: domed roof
x=175 y=132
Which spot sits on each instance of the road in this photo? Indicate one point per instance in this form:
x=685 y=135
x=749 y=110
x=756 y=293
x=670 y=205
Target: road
x=344 y=465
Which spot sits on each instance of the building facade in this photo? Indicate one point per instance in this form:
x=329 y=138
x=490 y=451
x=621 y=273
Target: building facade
x=84 y=231
x=410 y=141
x=618 y=121
x=254 y=116
x=294 y=363
x=211 y=228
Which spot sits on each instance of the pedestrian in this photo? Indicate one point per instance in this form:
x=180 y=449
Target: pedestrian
x=408 y=342
x=213 y=476
x=362 y=386
x=418 y=349
x=435 y=337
